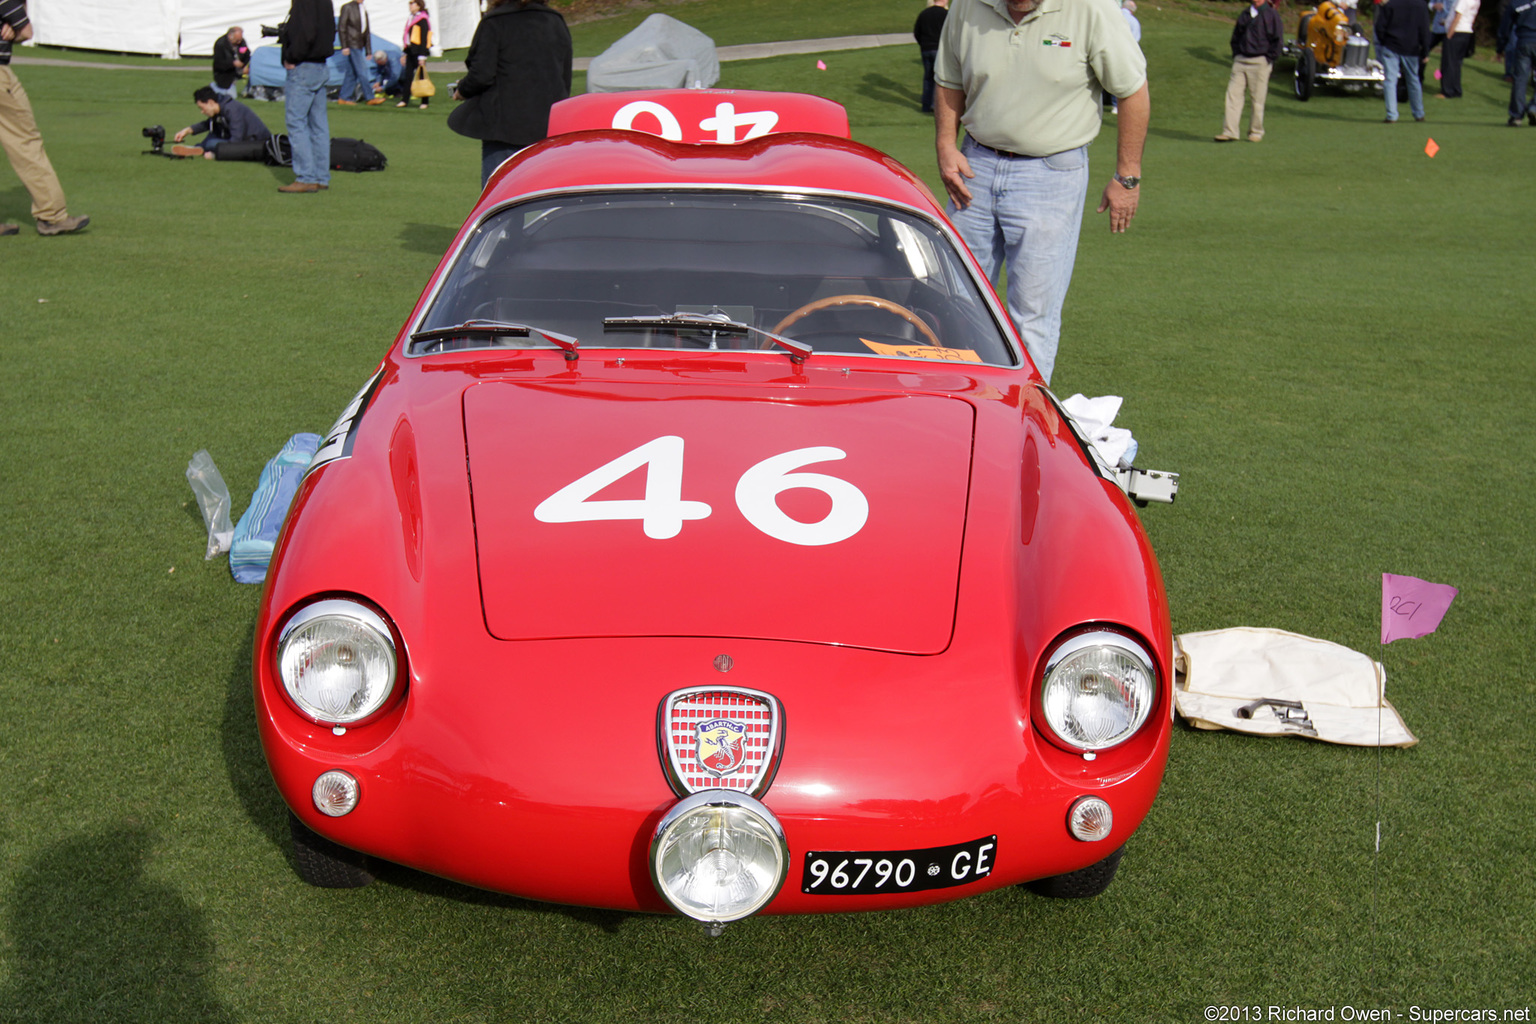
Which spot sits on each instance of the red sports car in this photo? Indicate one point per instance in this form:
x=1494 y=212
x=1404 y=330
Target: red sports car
x=707 y=543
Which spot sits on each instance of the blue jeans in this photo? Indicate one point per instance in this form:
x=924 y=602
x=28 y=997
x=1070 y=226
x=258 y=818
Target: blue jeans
x=225 y=94
x=1523 y=53
x=309 y=130
x=210 y=143
x=492 y=156
x=930 y=57
x=1396 y=63
x=1027 y=211
x=354 y=76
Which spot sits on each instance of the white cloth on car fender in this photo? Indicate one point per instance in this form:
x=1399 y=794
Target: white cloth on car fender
x=1341 y=693
x=1093 y=417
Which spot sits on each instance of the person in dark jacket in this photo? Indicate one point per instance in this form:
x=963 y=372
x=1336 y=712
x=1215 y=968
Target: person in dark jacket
x=230 y=59
x=1256 y=42
x=519 y=65
x=307 y=44
x=927 y=29
x=352 y=30
x=1517 y=38
x=1402 y=42
x=224 y=120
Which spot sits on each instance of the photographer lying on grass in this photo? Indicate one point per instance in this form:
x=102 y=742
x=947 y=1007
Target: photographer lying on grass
x=226 y=120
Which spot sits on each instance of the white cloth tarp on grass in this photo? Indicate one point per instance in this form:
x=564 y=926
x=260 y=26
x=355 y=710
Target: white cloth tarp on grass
x=661 y=53
x=1268 y=682
x=188 y=28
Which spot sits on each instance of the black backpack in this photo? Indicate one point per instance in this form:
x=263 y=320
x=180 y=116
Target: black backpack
x=279 y=152
x=346 y=154
x=356 y=155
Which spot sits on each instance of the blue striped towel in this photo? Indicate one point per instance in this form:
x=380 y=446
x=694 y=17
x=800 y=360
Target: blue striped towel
x=256 y=533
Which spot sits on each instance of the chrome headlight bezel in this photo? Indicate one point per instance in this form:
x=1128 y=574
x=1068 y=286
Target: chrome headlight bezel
x=361 y=626
x=769 y=855
x=1075 y=671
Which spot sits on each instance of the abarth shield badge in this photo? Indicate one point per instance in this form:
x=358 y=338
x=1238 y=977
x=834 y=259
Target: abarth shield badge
x=720 y=738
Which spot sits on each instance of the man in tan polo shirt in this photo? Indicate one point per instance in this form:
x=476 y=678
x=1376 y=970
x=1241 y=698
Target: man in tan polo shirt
x=1026 y=78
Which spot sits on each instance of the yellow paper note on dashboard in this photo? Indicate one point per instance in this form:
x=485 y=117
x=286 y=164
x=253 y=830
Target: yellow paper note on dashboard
x=948 y=355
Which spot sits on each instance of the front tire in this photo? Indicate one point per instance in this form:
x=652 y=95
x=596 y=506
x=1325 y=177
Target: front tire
x=325 y=864
x=1080 y=884
x=1306 y=73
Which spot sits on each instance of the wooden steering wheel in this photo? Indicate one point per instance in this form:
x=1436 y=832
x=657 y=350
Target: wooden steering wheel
x=834 y=301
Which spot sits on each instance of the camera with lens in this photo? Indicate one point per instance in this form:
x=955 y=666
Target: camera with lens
x=156 y=136
x=280 y=33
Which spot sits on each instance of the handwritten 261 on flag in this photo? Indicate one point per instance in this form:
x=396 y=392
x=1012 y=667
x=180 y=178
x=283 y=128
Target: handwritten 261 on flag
x=1411 y=607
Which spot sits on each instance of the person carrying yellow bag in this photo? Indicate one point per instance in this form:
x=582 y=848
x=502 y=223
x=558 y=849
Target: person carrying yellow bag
x=416 y=46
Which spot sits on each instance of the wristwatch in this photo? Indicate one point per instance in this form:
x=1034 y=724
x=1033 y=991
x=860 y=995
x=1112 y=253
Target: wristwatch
x=1128 y=180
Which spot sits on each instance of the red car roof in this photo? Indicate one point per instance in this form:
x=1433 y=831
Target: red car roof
x=792 y=161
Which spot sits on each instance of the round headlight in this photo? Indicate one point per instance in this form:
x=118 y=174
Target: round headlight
x=337 y=661
x=1098 y=690
x=718 y=856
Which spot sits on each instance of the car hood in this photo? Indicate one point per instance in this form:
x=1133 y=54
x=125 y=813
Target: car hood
x=790 y=513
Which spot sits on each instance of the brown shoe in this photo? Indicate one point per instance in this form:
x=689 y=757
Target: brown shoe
x=346 y=103
x=186 y=151
x=300 y=186
x=1226 y=138
x=61 y=227
x=321 y=187
x=9 y=229
x=376 y=101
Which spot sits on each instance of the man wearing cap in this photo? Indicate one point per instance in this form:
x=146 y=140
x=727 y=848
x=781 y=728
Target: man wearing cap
x=1026 y=79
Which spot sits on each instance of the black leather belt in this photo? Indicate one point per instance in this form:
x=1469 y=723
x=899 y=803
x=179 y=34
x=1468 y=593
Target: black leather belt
x=1004 y=152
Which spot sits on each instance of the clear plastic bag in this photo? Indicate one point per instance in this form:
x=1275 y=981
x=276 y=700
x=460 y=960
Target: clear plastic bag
x=213 y=500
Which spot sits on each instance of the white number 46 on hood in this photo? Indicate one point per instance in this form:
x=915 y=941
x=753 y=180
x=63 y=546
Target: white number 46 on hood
x=663 y=510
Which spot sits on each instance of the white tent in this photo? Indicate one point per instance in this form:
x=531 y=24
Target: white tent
x=188 y=28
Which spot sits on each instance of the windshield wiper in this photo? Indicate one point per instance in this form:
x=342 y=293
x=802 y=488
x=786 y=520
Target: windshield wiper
x=715 y=323
x=497 y=328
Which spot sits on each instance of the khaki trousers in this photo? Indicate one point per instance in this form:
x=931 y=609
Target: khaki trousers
x=24 y=146
x=1251 y=73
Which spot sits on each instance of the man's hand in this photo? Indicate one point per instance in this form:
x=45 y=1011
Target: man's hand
x=1121 y=204
x=6 y=32
x=346 y=51
x=1131 y=130
x=181 y=134
x=954 y=168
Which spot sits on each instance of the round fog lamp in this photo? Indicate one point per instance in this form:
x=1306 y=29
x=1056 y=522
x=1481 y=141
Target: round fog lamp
x=718 y=856
x=1090 y=819
x=335 y=793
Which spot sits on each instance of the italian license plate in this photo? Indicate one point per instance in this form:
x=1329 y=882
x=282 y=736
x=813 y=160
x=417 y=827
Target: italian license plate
x=869 y=873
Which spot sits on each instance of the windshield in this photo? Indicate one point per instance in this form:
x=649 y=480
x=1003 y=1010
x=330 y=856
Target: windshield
x=691 y=270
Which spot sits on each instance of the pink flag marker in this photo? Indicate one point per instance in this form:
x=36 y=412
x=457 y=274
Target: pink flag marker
x=1411 y=607
x=821 y=65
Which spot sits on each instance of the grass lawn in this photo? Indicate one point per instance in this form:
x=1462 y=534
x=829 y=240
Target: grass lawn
x=1329 y=334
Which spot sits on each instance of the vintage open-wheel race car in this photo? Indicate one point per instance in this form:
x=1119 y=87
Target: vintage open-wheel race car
x=1332 y=49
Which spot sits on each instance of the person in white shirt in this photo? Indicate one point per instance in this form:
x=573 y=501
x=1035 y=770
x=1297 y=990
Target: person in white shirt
x=1458 y=43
